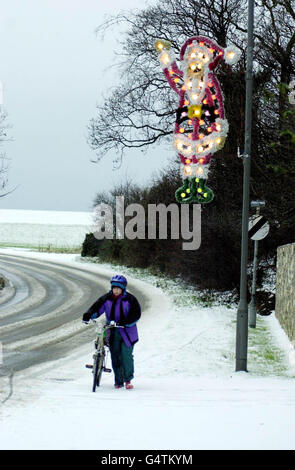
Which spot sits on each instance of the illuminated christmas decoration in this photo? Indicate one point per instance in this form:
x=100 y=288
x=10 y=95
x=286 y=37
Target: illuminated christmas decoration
x=201 y=127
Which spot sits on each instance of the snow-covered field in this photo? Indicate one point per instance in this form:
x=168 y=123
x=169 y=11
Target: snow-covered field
x=186 y=396
x=43 y=228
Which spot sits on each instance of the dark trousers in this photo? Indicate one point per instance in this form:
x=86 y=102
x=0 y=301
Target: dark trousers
x=122 y=358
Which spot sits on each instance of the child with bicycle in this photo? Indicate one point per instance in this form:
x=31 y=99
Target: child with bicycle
x=124 y=309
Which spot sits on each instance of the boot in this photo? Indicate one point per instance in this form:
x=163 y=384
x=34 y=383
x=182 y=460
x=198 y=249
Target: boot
x=129 y=386
x=119 y=385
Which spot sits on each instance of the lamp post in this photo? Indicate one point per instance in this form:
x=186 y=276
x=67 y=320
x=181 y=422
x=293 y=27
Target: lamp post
x=242 y=313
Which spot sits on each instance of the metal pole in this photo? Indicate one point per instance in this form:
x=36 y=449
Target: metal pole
x=252 y=316
x=242 y=313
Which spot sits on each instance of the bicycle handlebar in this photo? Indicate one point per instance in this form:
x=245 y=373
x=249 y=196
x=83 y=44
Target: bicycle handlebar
x=112 y=324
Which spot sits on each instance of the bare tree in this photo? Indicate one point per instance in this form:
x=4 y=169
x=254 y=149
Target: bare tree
x=141 y=110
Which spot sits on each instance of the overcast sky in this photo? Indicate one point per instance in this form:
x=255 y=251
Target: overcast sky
x=52 y=65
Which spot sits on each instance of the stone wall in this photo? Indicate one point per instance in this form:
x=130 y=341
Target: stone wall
x=285 y=289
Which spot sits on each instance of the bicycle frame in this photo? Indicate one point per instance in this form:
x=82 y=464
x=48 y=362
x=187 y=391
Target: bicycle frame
x=99 y=356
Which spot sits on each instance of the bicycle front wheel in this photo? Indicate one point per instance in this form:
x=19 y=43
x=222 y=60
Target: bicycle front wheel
x=97 y=371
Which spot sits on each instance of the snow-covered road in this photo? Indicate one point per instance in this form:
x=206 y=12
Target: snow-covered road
x=186 y=396
x=45 y=310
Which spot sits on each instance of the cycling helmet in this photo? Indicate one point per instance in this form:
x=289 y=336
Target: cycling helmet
x=119 y=281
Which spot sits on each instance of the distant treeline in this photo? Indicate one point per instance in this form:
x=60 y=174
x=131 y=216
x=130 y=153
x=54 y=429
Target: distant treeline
x=216 y=264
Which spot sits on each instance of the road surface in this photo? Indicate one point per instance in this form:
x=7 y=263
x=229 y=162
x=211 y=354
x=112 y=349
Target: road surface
x=41 y=310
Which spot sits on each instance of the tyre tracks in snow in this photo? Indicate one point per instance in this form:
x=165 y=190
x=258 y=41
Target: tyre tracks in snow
x=40 y=313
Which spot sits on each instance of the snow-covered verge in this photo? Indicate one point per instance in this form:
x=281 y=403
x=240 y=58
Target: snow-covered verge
x=186 y=396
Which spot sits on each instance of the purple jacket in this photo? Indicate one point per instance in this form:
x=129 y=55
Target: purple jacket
x=125 y=311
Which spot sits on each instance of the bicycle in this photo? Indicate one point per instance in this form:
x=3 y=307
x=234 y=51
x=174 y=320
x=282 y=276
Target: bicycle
x=100 y=354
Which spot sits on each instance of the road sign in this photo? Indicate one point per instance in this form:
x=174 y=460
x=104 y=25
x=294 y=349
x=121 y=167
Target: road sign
x=258 y=227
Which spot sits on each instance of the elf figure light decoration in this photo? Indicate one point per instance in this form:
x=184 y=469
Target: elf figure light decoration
x=201 y=127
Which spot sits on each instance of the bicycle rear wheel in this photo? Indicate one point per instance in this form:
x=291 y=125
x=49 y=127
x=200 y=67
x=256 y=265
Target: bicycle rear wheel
x=97 y=371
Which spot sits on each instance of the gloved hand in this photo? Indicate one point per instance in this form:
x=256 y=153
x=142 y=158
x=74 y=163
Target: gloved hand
x=86 y=317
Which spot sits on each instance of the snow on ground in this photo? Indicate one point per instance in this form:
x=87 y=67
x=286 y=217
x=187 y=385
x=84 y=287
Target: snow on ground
x=15 y=216
x=65 y=229
x=186 y=396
